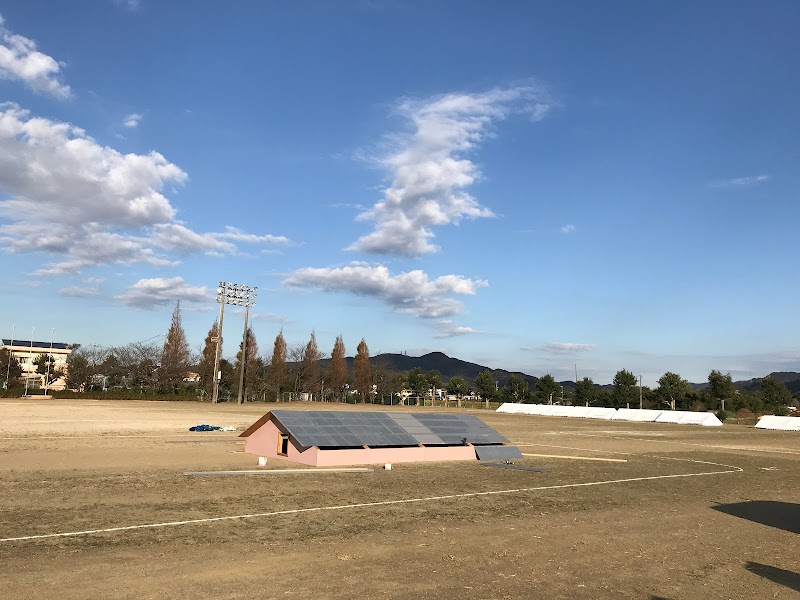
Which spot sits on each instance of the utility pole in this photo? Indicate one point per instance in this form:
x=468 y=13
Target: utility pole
x=221 y=295
x=30 y=360
x=246 y=296
x=49 y=356
x=640 y=392
x=10 y=354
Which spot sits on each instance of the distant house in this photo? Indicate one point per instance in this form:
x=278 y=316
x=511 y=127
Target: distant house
x=191 y=377
x=26 y=351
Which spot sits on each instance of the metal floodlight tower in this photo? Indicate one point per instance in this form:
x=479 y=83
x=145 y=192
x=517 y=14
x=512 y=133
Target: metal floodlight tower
x=234 y=294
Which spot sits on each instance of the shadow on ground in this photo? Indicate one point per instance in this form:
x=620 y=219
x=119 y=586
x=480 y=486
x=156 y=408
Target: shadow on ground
x=781 y=576
x=781 y=515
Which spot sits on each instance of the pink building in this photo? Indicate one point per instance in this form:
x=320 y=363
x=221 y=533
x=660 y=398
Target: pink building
x=336 y=438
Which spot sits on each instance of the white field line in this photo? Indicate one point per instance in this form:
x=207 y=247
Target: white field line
x=600 y=458
x=295 y=511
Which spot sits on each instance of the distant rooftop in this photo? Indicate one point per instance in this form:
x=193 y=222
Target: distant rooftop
x=34 y=344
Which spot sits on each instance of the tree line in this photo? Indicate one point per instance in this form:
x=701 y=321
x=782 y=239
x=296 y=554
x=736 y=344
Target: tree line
x=295 y=372
x=152 y=368
x=673 y=393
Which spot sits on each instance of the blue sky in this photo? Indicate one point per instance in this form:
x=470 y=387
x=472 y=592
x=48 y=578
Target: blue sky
x=527 y=186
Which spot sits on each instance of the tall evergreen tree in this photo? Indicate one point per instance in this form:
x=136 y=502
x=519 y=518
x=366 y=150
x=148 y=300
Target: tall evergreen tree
x=624 y=391
x=277 y=368
x=775 y=393
x=175 y=354
x=9 y=365
x=720 y=387
x=547 y=387
x=205 y=367
x=672 y=390
x=585 y=392
x=339 y=372
x=309 y=367
x=250 y=363
x=485 y=385
x=363 y=371
x=46 y=367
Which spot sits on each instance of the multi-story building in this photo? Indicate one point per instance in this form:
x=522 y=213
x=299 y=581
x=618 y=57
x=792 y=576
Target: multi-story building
x=26 y=351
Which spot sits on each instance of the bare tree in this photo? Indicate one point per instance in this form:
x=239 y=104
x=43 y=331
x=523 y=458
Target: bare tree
x=363 y=371
x=309 y=366
x=250 y=362
x=339 y=372
x=277 y=367
x=143 y=359
x=295 y=355
x=205 y=367
x=175 y=354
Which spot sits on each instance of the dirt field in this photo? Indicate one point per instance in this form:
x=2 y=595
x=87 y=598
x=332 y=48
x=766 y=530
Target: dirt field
x=693 y=513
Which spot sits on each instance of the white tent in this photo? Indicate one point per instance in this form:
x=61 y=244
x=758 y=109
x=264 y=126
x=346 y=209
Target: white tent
x=644 y=415
x=686 y=417
x=779 y=423
x=601 y=412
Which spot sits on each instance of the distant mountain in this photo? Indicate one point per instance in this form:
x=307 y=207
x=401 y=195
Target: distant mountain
x=789 y=378
x=453 y=367
x=438 y=361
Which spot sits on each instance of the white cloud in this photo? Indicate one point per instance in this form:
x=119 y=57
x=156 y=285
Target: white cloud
x=179 y=238
x=89 y=205
x=232 y=233
x=91 y=288
x=131 y=5
x=566 y=348
x=152 y=293
x=742 y=181
x=410 y=292
x=79 y=292
x=20 y=60
x=132 y=120
x=448 y=329
x=255 y=315
x=429 y=169
x=568 y=228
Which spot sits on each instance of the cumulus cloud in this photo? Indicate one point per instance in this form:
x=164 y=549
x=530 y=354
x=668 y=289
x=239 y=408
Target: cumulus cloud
x=566 y=348
x=149 y=294
x=20 y=60
x=568 y=228
x=410 y=292
x=89 y=205
x=448 y=329
x=742 y=181
x=430 y=170
x=132 y=120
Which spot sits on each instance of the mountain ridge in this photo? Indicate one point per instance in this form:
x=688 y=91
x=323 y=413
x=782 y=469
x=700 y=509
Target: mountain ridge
x=455 y=367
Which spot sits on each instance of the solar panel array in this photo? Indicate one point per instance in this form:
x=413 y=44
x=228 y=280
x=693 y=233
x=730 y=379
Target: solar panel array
x=340 y=429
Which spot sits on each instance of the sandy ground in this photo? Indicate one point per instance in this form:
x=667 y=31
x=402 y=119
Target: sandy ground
x=661 y=525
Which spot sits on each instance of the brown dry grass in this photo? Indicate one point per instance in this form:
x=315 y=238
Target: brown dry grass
x=75 y=465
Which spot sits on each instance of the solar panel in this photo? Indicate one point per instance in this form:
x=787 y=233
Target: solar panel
x=355 y=429
x=497 y=452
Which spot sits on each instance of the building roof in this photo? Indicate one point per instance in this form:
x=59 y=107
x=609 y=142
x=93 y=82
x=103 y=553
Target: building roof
x=35 y=344
x=348 y=429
